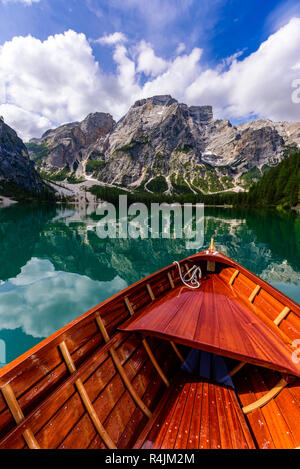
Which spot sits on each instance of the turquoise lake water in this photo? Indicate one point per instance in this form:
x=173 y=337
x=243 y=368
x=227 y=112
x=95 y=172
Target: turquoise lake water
x=54 y=267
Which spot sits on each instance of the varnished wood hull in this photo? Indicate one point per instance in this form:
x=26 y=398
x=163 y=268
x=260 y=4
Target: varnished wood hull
x=90 y=385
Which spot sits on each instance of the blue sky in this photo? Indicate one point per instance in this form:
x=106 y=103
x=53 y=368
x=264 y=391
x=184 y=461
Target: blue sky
x=215 y=36
x=220 y=27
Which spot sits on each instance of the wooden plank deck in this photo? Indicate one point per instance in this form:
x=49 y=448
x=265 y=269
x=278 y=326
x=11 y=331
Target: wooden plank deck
x=214 y=318
x=275 y=425
x=197 y=414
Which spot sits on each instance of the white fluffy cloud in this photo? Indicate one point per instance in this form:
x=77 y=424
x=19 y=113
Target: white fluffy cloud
x=181 y=72
x=148 y=62
x=111 y=39
x=25 y=122
x=59 y=80
x=51 y=82
x=260 y=84
x=27 y=301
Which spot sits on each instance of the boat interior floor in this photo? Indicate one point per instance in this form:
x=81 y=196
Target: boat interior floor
x=197 y=414
x=217 y=319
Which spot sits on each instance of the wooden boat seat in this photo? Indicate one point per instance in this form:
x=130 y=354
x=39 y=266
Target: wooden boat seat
x=216 y=319
x=197 y=414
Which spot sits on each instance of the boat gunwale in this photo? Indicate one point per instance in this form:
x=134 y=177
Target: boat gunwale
x=57 y=334
x=281 y=297
x=17 y=367
x=203 y=255
x=71 y=379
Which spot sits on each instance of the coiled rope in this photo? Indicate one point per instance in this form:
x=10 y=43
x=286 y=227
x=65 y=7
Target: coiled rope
x=195 y=275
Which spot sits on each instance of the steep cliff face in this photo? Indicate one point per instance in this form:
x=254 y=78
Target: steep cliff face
x=15 y=165
x=163 y=145
x=69 y=145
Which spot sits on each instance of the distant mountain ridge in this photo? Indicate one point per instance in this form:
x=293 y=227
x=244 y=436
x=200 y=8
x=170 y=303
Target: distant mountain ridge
x=166 y=146
x=69 y=145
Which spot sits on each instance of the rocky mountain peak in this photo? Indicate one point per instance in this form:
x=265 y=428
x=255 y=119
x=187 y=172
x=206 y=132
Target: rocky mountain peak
x=161 y=143
x=201 y=113
x=15 y=165
x=158 y=100
x=96 y=125
x=68 y=145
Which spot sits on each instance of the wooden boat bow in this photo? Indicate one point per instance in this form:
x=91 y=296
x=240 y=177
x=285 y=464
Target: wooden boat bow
x=110 y=378
x=215 y=318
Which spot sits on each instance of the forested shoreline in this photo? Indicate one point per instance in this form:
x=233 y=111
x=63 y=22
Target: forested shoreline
x=278 y=187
